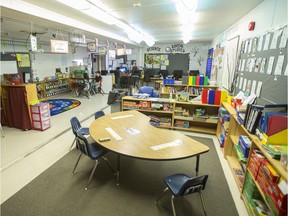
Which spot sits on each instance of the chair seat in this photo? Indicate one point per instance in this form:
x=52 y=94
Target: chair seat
x=96 y=150
x=84 y=131
x=175 y=182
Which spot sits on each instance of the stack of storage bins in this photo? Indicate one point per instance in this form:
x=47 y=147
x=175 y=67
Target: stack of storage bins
x=40 y=116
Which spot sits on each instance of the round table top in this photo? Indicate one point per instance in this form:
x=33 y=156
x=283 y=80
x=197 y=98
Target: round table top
x=132 y=135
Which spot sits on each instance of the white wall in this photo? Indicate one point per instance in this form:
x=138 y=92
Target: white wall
x=45 y=64
x=268 y=15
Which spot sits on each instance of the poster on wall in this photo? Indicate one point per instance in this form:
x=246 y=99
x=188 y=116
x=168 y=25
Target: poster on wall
x=59 y=46
x=156 y=60
x=217 y=65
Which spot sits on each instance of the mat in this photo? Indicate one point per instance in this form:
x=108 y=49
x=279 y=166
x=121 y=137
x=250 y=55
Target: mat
x=58 y=106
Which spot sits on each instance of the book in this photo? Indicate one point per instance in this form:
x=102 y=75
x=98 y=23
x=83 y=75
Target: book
x=193 y=80
x=275 y=150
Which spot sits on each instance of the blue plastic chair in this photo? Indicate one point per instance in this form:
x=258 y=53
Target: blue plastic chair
x=148 y=90
x=183 y=185
x=76 y=127
x=98 y=114
x=93 y=150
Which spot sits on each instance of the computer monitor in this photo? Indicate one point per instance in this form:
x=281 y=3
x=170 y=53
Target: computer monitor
x=177 y=74
x=104 y=72
x=194 y=72
x=164 y=73
x=123 y=69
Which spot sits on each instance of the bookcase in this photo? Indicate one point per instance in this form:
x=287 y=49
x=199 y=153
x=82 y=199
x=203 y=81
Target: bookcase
x=54 y=87
x=159 y=109
x=175 y=114
x=256 y=184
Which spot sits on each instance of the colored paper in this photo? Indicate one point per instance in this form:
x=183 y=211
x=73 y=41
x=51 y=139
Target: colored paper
x=211 y=96
x=204 y=96
x=217 y=99
x=197 y=80
x=276 y=124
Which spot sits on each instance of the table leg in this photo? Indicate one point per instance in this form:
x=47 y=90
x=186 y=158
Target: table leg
x=197 y=164
x=118 y=169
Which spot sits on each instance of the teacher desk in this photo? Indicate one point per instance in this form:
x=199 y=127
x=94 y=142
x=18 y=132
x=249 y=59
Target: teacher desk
x=131 y=134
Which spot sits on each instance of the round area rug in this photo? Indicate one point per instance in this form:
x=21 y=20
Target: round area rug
x=61 y=105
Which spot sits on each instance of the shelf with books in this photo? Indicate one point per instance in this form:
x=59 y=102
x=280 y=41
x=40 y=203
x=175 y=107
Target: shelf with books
x=269 y=177
x=182 y=114
x=192 y=90
x=195 y=116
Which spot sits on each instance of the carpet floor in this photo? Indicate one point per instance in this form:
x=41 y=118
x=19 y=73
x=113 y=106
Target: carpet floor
x=56 y=192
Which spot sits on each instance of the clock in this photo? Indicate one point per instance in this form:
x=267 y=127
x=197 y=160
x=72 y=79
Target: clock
x=168 y=49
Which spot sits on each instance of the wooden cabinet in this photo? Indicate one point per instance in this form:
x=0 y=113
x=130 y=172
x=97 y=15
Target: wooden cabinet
x=159 y=109
x=16 y=100
x=168 y=109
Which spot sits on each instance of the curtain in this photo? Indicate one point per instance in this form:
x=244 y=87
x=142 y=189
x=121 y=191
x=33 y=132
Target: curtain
x=18 y=109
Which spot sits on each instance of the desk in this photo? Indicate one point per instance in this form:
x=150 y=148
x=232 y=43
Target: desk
x=122 y=128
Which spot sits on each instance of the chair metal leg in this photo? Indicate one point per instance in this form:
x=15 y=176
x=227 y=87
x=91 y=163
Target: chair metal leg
x=91 y=175
x=161 y=195
x=109 y=164
x=76 y=163
x=2 y=132
x=72 y=143
x=118 y=170
x=173 y=207
x=202 y=201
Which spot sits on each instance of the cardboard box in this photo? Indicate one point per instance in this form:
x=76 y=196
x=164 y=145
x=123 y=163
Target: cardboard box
x=270 y=172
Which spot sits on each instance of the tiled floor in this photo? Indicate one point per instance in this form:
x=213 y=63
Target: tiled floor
x=26 y=154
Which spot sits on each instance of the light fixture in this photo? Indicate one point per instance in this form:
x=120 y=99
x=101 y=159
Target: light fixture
x=90 y=9
x=186 y=10
x=99 y=11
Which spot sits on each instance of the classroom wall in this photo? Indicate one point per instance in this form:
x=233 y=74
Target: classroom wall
x=197 y=53
x=269 y=14
x=45 y=64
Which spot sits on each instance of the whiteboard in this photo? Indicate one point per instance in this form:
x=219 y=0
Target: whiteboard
x=8 y=67
x=231 y=53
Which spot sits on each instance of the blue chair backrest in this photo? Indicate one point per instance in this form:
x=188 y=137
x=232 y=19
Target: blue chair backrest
x=147 y=89
x=98 y=114
x=75 y=124
x=193 y=185
x=82 y=144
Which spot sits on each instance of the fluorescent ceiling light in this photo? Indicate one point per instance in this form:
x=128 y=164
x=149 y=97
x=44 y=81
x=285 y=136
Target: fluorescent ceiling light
x=90 y=9
x=98 y=10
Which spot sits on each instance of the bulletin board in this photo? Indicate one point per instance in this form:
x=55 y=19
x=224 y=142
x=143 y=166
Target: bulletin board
x=262 y=67
x=169 y=62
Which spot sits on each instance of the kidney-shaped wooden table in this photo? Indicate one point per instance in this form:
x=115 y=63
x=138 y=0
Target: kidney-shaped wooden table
x=132 y=135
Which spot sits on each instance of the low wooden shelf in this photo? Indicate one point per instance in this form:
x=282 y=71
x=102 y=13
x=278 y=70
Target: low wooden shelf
x=195 y=125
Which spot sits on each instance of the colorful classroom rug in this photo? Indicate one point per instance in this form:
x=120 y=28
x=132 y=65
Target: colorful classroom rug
x=58 y=106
